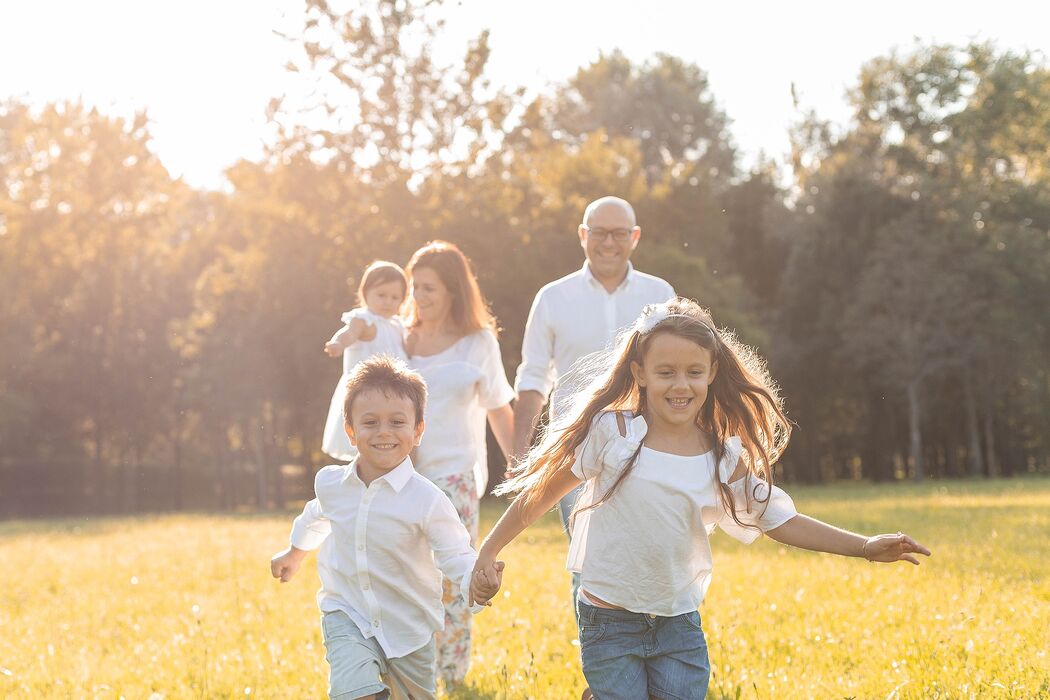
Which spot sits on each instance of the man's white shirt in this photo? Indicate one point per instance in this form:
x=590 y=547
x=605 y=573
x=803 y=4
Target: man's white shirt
x=383 y=550
x=575 y=316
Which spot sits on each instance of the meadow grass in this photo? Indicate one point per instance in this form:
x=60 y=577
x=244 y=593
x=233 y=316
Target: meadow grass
x=183 y=606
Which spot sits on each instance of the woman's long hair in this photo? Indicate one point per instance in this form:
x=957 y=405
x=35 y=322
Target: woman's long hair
x=469 y=312
x=742 y=401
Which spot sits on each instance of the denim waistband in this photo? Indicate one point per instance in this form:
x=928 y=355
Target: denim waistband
x=595 y=615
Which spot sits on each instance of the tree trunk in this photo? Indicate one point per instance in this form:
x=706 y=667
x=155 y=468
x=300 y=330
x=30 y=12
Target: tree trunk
x=277 y=458
x=973 y=430
x=99 y=487
x=915 y=432
x=176 y=468
x=223 y=464
x=989 y=445
x=257 y=436
x=139 y=500
x=128 y=485
x=876 y=458
x=176 y=455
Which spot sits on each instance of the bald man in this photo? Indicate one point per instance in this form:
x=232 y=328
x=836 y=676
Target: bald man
x=581 y=314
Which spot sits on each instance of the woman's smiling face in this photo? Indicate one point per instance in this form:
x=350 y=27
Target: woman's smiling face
x=432 y=298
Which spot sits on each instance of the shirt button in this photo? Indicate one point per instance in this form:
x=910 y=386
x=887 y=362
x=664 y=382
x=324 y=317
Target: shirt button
x=375 y=623
x=360 y=547
x=365 y=587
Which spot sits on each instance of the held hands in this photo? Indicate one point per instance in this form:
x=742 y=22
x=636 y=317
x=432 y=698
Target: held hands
x=332 y=349
x=485 y=582
x=891 y=548
x=284 y=564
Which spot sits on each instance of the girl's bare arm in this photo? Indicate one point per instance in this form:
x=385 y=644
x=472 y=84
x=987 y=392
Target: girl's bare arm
x=809 y=533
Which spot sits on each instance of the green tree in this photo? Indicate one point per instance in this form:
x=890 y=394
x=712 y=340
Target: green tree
x=89 y=218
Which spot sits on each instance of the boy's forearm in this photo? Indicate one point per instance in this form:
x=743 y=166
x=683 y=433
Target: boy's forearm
x=805 y=532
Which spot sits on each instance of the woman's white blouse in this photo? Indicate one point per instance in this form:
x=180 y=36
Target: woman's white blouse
x=646 y=549
x=464 y=382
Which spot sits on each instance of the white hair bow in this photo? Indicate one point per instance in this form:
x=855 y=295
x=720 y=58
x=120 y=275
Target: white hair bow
x=651 y=316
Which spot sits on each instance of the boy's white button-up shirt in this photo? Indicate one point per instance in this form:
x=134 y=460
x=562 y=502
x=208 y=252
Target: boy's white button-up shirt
x=575 y=316
x=383 y=550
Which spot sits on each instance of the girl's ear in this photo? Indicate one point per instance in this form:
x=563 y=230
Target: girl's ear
x=636 y=372
x=714 y=373
x=350 y=432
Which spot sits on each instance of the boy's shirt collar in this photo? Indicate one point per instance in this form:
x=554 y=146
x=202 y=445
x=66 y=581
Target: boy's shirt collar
x=396 y=477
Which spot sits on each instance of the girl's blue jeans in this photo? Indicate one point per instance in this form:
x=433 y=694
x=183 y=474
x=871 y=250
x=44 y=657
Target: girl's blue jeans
x=628 y=656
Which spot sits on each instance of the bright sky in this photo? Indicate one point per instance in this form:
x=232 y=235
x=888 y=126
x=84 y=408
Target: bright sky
x=205 y=70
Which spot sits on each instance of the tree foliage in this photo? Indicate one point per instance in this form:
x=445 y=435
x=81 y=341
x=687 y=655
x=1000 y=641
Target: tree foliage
x=162 y=347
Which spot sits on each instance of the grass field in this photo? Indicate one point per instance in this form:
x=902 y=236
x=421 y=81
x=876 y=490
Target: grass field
x=182 y=606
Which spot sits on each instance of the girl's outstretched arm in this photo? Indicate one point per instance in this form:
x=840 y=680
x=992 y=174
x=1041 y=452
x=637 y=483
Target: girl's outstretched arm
x=808 y=533
x=347 y=336
x=518 y=517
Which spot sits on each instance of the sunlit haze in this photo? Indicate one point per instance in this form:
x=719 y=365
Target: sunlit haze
x=205 y=70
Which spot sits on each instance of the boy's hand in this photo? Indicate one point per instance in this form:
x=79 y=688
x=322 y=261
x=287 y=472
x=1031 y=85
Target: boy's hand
x=485 y=582
x=284 y=564
x=333 y=349
x=891 y=548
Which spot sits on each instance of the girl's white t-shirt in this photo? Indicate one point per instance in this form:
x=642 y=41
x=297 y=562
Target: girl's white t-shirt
x=389 y=338
x=464 y=382
x=646 y=549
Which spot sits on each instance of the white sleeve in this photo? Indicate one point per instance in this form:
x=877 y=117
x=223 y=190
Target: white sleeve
x=360 y=312
x=311 y=527
x=494 y=389
x=762 y=515
x=590 y=455
x=450 y=542
x=536 y=371
x=363 y=314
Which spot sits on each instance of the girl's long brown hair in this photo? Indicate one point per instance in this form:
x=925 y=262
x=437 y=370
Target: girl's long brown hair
x=469 y=311
x=742 y=401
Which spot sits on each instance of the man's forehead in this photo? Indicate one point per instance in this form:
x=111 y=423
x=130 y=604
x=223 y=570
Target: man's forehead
x=611 y=213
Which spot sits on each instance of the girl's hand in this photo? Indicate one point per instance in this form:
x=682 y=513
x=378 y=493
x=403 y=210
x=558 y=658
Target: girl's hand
x=332 y=349
x=485 y=581
x=891 y=548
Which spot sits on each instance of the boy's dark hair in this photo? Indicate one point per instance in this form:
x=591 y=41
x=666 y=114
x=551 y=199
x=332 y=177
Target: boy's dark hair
x=390 y=376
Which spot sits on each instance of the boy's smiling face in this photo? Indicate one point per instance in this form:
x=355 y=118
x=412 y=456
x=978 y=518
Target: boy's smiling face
x=383 y=428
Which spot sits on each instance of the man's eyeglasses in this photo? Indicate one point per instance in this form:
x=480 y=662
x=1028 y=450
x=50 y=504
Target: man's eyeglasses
x=620 y=235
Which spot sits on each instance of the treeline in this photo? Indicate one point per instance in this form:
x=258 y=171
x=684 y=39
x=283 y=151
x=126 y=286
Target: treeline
x=160 y=347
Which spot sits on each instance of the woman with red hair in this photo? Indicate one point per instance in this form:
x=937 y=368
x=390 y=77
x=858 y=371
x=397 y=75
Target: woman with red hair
x=452 y=341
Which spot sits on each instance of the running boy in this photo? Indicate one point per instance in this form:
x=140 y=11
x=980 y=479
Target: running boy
x=393 y=535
